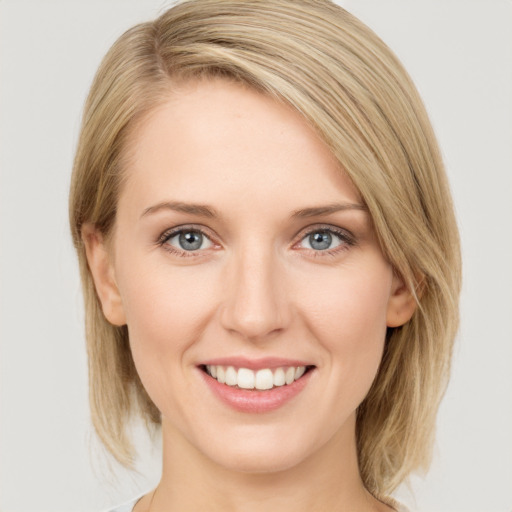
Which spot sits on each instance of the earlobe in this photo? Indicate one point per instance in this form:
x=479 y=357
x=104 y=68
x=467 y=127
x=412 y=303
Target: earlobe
x=100 y=264
x=401 y=305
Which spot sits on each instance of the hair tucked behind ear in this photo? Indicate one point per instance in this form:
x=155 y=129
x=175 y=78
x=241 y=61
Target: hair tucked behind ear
x=314 y=56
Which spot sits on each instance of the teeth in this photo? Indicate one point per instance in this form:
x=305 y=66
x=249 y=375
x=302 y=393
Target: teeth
x=245 y=378
x=299 y=372
x=279 y=377
x=262 y=379
x=231 y=376
x=221 y=374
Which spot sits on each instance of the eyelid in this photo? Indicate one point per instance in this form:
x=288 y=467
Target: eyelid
x=176 y=230
x=168 y=233
x=347 y=238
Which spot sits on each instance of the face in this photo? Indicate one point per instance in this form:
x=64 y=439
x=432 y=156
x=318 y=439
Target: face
x=242 y=253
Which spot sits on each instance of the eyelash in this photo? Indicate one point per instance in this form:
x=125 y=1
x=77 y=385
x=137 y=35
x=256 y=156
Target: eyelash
x=170 y=233
x=347 y=240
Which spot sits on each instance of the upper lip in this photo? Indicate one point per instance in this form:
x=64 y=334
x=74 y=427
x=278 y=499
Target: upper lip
x=254 y=363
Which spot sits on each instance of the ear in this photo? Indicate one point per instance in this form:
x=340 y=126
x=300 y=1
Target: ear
x=100 y=263
x=401 y=305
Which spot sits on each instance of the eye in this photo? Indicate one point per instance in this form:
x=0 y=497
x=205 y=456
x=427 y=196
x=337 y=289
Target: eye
x=321 y=240
x=325 y=239
x=188 y=240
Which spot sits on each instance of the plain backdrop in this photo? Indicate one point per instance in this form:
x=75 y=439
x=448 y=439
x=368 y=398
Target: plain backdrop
x=459 y=53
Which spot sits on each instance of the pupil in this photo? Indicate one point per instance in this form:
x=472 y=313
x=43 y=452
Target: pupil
x=191 y=240
x=320 y=240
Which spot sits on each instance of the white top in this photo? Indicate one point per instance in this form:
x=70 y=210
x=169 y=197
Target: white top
x=126 y=507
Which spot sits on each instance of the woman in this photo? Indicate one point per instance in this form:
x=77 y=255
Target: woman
x=269 y=257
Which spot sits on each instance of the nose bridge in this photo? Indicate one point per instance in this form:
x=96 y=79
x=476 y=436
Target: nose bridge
x=255 y=300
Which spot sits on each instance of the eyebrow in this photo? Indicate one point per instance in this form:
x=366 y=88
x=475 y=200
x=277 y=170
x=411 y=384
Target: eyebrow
x=177 y=206
x=315 y=211
x=207 y=211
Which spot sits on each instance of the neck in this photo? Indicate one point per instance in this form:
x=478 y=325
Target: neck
x=328 y=480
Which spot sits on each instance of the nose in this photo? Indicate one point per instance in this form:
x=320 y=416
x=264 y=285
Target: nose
x=256 y=305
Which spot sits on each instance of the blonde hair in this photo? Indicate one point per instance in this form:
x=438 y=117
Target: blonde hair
x=345 y=82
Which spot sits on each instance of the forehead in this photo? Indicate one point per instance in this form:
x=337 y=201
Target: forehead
x=215 y=138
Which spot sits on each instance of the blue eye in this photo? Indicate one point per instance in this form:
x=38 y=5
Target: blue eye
x=321 y=240
x=189 y=240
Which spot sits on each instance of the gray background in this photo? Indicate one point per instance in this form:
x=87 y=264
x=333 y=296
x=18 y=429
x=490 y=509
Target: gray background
x=460 y=55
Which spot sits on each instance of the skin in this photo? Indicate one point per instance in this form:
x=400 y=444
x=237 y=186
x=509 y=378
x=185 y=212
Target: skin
x=255 y=288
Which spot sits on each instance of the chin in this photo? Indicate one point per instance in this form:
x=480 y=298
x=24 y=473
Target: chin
x=258 y=453
x=254 y=463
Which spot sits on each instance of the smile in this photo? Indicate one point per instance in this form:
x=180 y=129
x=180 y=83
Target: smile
x=263 y=379
x=266 y=387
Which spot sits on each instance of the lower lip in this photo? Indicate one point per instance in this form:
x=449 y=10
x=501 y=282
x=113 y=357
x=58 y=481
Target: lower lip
x=255 y=401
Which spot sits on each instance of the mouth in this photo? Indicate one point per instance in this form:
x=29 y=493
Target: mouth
x=263 y=379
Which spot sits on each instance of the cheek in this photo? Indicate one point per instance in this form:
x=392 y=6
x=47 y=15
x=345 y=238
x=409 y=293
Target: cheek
x=163 y=304
x=166 y=310
x=348 y=317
